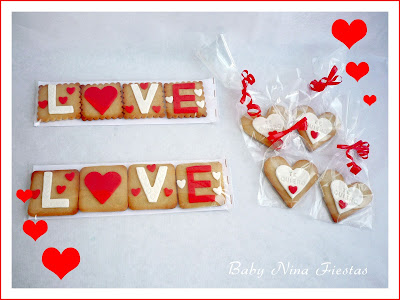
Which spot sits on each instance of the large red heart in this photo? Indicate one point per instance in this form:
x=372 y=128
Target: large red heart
x=35 y=231
x=102 y=186
x=292 y=189
x=357 y=72
x=101 y=99
x=369 y=99
x=61 y=263
x=349 y=34
x=24 y=195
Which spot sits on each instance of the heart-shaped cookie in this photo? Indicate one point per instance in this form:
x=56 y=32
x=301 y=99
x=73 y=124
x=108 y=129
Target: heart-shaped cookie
x=291 y=183
x=341 y=199
x=258 y=128
x=319 y=129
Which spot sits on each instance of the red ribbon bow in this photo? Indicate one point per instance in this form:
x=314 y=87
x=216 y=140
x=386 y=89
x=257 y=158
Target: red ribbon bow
x=319 y=86
x=253 y=110
x=275 y=136
x=362 y=149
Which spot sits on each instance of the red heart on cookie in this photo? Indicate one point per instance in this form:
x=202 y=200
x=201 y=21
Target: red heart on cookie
x=102 y=186
x=157 y=108
x=144 y=85
x=35 y=194
x=70 y=90
x=101 y=99
x=151 y=168
x=62 y=100
x=24 y=195
x=70 y=176
x=35 y=231
x=129 y=109
x=135 y=192
x=61 y=189
x=292 y=189
x=168 y=192
x=314 y=134
x=43 y=104
x=342 y=204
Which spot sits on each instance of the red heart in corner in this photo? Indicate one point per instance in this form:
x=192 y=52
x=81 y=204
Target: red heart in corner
x=151 y=168
x=357 y=71
x=70 y=90
x=35 y=231
x=349 y=34
x=292 y=189
x=369 y=99
x=24 y=195
x=61 y=263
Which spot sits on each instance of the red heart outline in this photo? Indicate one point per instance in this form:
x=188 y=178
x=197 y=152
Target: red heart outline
x=102 y=186
x=70 y=90
x=24 y=195
x=129 y=109
x=101 y=99
x=168 y=192
x=70 y=176
x=43 y=104
x=135 y=192
x=357 y=71
x=61 y=263
x=35 y=231
x=349 y=34
x=369 y=99
x=292 y=189
x=151 y=168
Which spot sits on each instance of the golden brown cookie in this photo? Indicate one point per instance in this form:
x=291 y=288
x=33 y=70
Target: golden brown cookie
x=291 y=183
x=341 y=199
x=152 y=186
x=54 y=193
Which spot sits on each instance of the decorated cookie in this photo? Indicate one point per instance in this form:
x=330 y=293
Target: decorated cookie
x=101 y=101
x=59 y=102
x=320 y=129
x=185 y=100
x=291 y=182
x=341 y=199
x=54 y=193
x=200 y=184
x=152 y=186
x=103 y=188
x=143 y=100
x=259 y=127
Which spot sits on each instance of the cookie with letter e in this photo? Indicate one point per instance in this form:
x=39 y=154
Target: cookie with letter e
x=101 y=101
x=103 y=188
x=152 y=186
x=341 y=199
x=185 y=100
x=59 y=102
x=200 y=184
x=54 y=193
x=291 y=182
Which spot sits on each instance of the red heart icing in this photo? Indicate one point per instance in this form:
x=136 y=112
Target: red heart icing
x=102 y=186
x=168 y=192
x=135 y=192
x=349 y=34
x=151 y=168
x=61 y=263
x=70 y=176
x=157 y=108
x=62 y=100
x=144 y=85
x=24 y=195
x=61 y=189
x=292 y=189
x=101 y=99
x=314 y=134
x=342 y=204
x=369 y=99
x=70 y=90
x=129 y=109
x=35 y=194
x=43 y=104
x=357 y=71
x=35 y=231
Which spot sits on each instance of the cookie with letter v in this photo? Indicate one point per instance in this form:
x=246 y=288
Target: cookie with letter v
x=152 y=186
x=291 y=182
x=54 y=193
x=341 y=199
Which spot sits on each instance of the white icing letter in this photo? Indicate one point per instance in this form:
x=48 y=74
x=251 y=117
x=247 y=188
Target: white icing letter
x=144 y=105
x=152 y=192
x=47 y=202
x=53 y=108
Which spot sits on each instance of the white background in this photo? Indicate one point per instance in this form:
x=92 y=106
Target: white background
x=189 y=250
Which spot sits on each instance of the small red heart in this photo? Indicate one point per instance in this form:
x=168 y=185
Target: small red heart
x=369 y=99
x=35 y=194
x=157 y=108
x=70 y=176
x=349 y=34
x=144 y=85
x=151 y=168
x=314 y=134
x=129 y=109
x=135 y=192
x=24 y=195
x=292 y=189
x=61 y=263
x=168 y=192
x=43 y=104
x=357 y=71
x=62 y=100
x=35 y=231
x=102 y=186
x=101 y=99
x=70 y=90
x=61 y=189
x=342 y=204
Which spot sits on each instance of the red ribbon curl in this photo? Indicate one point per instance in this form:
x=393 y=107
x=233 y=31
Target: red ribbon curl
x=253 y=110
x=320 y=85
x=275 y=136
x=362 y=149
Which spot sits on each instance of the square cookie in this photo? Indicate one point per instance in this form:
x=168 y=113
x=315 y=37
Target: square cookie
x=152 y=186
x=103 y=188
x=54 y=193
x=200 y=184
x=185 y=100
x=143 y=100
x=59 y=102
x=101 y=101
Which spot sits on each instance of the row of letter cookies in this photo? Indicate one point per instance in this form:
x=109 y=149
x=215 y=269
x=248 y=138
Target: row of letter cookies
x=115 y=188
x=113 y=101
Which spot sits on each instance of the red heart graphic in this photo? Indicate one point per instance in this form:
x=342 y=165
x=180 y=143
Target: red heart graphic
x=35 y=231
x=314 y=134
x=168 y=192
x=35 y=194
x=135 y=192
x=292 y=189
x=24 y=195
x=342 y=204
x=349 y=34
x=70 y=90
x=61 y=189
x=62 y=100
x=157 y=108
x=70 y=176
x=101 y=99
x=369 y=99
x=102 y=186
x=151 y=168
x=43 y=104
x=357 y=72
x=61 y=263
x=144 y=85
x=129 y=109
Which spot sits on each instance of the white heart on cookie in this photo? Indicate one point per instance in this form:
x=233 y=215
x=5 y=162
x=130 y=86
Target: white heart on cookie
x=198 y=92
x=218 y=190
x=346 y=198
x=293 y=181
x=169 y=99
x=181 y=183
x=201 y=103
x=216 y=175
x=317 y=128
